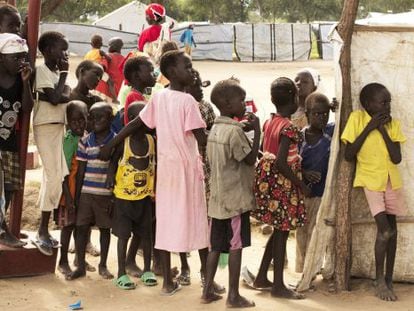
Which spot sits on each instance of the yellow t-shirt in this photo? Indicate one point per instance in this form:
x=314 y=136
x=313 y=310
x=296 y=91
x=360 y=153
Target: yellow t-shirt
x=374 y=164
x=93 y=55
x=133 y=184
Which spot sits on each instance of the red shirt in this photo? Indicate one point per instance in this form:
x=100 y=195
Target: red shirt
x=132 y=96
x=272 y=130
x=149 y=34
x=116 y=75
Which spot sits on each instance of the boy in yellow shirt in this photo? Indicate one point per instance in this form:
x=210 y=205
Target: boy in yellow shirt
x=373 y=138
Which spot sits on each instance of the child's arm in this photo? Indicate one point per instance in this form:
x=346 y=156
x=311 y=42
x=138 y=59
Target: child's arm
x=79 y=180
x=111 y=88
x=133 y=125
x=66 y=192
x=27 y=98
x=283 y=167
x=200 y=136
x=60 y=94
x=113 y=166
x=352 y=149
x=394 y=148
x=106 y=56
x=254 y=122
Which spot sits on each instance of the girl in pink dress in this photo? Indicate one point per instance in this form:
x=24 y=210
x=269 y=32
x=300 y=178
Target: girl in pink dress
x=180 y=200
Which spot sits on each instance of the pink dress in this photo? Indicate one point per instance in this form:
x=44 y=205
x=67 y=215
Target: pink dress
x=181 y=210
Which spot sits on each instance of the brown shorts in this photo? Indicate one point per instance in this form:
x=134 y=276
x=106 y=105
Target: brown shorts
x=95 y=210
x=11 y=167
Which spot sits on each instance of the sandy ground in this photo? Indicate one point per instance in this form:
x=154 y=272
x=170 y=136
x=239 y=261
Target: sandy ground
x=52 y=292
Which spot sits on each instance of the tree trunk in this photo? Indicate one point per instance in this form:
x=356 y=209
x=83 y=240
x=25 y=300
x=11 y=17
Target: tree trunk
x=49 y=6
x=343 y=243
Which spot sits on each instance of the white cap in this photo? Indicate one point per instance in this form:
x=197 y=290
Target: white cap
x=11 y=43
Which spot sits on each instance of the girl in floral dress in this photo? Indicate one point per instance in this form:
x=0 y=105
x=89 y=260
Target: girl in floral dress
x=279 y=188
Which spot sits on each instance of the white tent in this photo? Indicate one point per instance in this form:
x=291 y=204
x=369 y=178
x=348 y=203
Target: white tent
x=130 y=17
x=378 y=19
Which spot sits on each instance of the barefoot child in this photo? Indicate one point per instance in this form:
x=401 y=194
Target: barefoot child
x=65 y=215
x=373 y=138
x=279 y=194
x=315 y=151
x=16 y=96
x=232 y=161
x=49 y=127
x=134 y=191
x=180 y=201
x=93 y=199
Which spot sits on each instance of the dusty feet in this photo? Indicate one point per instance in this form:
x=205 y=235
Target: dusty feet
x=210 y=297
x=284 y=292
x=239 y=302
x=133 y=270
x=92 y=249
x=157 y=269
x=169 y=290
x=383 y=291
x=64 y=268
x=78 y=273
x=88 y=266
x=8 y=239
x=104 y=272
x=184 y=278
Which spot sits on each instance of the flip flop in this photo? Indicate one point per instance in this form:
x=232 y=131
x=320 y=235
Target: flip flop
x=149 y=278
x=55 y=243
x=124 y=282
x=248 y=279
x=44 y=247
x=184 y=278
x=177 y=287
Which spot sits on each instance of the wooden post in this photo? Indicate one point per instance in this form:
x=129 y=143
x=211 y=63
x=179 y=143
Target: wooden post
x=33 y=26
x=343 y=243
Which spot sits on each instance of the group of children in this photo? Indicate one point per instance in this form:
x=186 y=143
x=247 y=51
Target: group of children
x=149 y=179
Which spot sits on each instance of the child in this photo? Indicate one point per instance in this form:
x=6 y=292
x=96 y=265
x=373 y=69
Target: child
x=373 y=138
x=88 y=74
x=181 y=208
x=279 y=188
x=188 y=40
x=49 y=127
x=96 y=54
x=10 y=21
x=134 y=192
x=65 y=215
x=16 y=96
x=154 y=14
x=109 y=89
x=232 y=161
x=93 y=199
x=314 y=151
x=139 y=72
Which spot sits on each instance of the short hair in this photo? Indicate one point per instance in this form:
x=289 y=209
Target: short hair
x=115 y=44
x=314 y=98
x=283 y=91
x=368 y=92
x=168 y=46
x=168 y=60
x=7 y=9
x=133 y=107
x=76 y=105
x=103 y=106
x=133 y=65
x=223 y=90
x=86 y=65
x=48 y=39
x=96 y=40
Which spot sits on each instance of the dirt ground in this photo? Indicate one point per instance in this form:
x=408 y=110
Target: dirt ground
x=52 y=292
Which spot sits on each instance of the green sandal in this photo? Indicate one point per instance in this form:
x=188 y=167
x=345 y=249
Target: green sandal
x=124 y=282
x=149 y=278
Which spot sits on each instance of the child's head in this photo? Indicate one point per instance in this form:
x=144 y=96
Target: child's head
x=317 y=109
x=228 y=96
x=167 y=46
x=10 y=21
x=196 y=89
x=284 y=95
x=307 y=81
x=375 y=98
x=100 y=116
x=96 y=41
x=139 y=71
x=134 y=109
x=115 y=45
x=13 y=52
x=53 y=46
x=177 y=67
x=155 y=13
x=76 y=114
x=89 y=73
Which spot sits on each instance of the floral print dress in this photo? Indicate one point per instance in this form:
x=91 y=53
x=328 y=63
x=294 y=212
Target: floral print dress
x=279 y=201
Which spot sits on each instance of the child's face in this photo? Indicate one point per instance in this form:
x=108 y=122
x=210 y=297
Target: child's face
x=196 y=89
x=318 y=115
x=13 y=62
x=92 y=76
x=59 y=51
x=236 y=104
x=184 y=70
x=77 y=122
x=10 y=24
x=146 y=75
x=304 y=83
x=100 y=119
x=379 y=103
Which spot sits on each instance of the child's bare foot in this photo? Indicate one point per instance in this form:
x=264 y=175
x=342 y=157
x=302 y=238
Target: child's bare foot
x=104 y=272
x=284 y=292
x=78 y=273
x=184 y=278
x=133 y=270
x=262 y=284
x=92 y=249
x=169 y=290
x=239 y=302
x=383 y=292
x=157 y=269
x=88 y=266
x=7 y=239
x=210 y=297
x=64 y=268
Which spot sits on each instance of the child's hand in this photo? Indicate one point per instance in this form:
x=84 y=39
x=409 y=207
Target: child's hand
x=105 y=153
x=63 y=64
x=110 y=181
x=253 y=123
x=334 y=104
x=313 y=176
x=25 y=71
x=376 y=121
